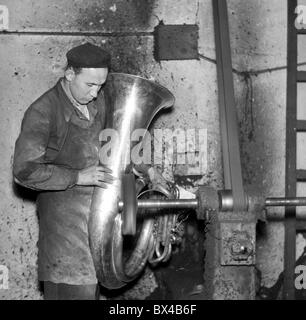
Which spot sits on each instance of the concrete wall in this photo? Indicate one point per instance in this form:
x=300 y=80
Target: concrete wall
x=259 y=45
x=31 y=63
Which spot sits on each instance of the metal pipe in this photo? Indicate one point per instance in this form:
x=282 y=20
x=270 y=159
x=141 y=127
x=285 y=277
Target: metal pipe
x=193 y=203
x=164 y=204
x=285 y=202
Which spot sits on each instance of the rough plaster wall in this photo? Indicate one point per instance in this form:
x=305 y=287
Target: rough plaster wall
x=262 y=114
x=263 y=154
x=34 y=62
x=258 y=38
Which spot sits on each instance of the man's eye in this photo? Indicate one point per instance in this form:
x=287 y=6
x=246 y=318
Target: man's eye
x=89 y=85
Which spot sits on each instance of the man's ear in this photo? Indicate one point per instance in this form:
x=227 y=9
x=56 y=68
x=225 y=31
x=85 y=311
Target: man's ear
x=69 y=74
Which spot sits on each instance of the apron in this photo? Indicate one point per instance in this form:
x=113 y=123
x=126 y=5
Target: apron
x=64 y=254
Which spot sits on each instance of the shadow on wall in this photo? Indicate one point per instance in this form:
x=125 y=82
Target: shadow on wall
x=129 y=53
x=119 y=16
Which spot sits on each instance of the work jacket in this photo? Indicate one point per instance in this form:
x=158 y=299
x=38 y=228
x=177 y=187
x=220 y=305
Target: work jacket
x=55 y=142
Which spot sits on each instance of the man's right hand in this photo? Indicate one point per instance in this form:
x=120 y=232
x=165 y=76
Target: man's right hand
x=95 y=176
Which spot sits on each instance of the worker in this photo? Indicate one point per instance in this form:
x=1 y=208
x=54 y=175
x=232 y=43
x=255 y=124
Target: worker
x=57 y=154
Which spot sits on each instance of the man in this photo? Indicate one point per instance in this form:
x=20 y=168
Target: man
x=57 y=153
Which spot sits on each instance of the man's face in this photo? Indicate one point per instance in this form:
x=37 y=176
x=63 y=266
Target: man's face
x=85 y=85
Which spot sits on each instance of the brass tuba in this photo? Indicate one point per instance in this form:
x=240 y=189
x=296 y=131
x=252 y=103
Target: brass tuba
x=131 y=103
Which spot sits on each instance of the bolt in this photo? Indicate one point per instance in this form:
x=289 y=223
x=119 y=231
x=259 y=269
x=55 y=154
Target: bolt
x=240 y=249
x=243 y=250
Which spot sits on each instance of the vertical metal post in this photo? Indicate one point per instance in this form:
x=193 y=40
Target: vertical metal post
x=291 y=114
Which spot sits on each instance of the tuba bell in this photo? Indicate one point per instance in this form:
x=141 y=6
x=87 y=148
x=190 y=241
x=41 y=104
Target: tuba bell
x=131 y=103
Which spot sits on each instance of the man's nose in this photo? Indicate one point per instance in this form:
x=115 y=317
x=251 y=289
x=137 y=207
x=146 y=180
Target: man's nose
x=94 y=93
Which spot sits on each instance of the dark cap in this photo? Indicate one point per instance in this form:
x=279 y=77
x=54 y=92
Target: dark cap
x=88 y=56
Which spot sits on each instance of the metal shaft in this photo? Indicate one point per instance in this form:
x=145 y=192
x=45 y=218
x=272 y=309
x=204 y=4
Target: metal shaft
x=164 y=204
x=285 y=202
x=193 y=203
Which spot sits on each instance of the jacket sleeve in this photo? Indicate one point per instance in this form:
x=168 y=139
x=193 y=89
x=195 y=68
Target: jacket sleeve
x=30 y=168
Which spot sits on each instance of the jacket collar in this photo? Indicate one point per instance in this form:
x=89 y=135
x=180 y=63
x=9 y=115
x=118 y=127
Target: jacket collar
x=67 y=106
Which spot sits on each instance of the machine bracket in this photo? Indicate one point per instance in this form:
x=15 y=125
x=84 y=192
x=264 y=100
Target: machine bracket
x=237 y=243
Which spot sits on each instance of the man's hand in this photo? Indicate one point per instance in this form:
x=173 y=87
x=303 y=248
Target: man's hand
x=95 y=176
